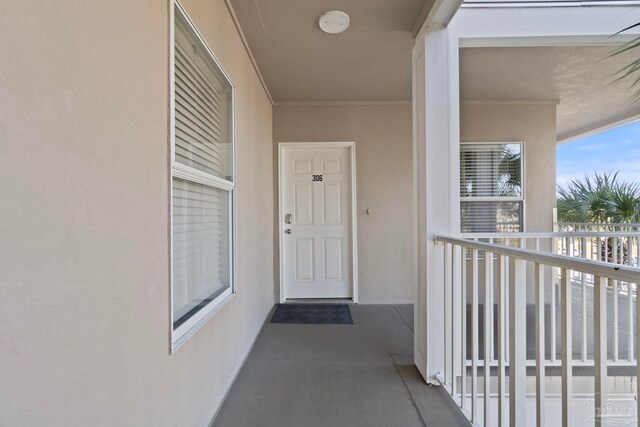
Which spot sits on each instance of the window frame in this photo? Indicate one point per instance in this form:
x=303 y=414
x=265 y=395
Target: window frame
x=521 y=198
x=182 y=333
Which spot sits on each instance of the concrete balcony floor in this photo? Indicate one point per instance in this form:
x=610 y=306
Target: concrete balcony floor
x=337 y=375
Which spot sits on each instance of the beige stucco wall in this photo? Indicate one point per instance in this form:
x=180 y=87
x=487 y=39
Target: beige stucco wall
x=535 y=124
x=384 y=168
x=84 y=279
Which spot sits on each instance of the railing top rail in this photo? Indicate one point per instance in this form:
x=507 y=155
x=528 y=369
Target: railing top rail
x=597 y=268
x=601 y=224
x=543 y=235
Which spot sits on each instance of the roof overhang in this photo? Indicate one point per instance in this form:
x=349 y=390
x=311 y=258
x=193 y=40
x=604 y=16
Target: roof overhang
x=515 y=25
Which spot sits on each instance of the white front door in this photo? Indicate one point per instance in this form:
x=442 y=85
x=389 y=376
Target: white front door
x=316 y=221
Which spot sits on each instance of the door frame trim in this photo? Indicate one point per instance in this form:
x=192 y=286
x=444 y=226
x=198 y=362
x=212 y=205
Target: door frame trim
x=351 y=145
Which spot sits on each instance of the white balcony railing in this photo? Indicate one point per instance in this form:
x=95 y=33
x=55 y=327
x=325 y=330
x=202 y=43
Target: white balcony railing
x=618 y=247
x=597 y=227
x=582 y=316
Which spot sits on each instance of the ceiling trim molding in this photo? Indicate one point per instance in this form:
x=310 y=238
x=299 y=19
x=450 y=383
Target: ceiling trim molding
x=439 y=15
x=236 y=22
x=511 y=102
x=422 y=17
x=547 y=41
x=340 y=103
x=442 y=12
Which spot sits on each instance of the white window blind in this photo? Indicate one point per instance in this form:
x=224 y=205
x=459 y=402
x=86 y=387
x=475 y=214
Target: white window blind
x=202 y=100
x=200 y=243
x=202 y=188
x=491 y=187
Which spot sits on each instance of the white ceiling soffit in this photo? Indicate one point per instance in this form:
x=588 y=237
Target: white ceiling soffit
x=370 y=62
x=580 y=78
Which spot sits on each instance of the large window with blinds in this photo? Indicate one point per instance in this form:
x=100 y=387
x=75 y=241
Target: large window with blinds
x=202 y=189
x=491 y=187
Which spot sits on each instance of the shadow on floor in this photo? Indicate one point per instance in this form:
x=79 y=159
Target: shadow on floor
x=337 y=375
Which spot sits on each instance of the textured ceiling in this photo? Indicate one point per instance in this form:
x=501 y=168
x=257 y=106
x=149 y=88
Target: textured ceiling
x=371 y=61
x=581 y=78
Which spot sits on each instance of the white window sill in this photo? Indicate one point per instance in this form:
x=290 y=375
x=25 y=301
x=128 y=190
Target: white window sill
x=182 y=334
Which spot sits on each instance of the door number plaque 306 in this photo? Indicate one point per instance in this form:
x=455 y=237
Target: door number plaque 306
x=316 y=177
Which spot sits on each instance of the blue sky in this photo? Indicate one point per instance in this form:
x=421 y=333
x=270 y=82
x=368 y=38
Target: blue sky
x=614 y=150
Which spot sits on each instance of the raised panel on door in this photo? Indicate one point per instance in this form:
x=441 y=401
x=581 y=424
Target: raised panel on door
x=302 y=166
x=332 y=258
x=302 y=203
x=303 y=259
x=332 y=203
x=331 y=166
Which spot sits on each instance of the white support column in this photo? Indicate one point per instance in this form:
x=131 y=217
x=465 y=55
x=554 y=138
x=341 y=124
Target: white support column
x=436 y=169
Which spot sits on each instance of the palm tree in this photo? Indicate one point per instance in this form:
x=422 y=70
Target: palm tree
x=625 y=203
x=632 y=70
x=509 y=171
x=591 y=200
x=600 y=199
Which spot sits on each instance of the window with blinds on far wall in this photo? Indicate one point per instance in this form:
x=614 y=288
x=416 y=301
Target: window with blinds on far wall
x=203 y=182
x=491 y=187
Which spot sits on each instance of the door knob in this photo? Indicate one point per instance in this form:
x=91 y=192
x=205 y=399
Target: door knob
x=287 y=231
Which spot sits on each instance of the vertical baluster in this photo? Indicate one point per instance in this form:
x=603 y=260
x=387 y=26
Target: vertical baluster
x=488 y=327
x=621 y=251
x=583 y=280
x=518 y=343
x=637 y=345
x=600 y=345
x=492 y=332
x=448 y=283
x=567 y=356
x=474 y=336
x=614 y=252
x=559 y=242
x=630 y=305
x=540 y=356
x=552 y=316
x=463 y=346
x=571 y=247
x=502 y=340
x=630 y=319
x=507 y=313
x=599 y=255
x=630 y=335
x=456 y=318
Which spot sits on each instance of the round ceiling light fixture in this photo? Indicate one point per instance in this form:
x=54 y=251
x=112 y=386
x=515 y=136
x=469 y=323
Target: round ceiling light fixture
x=334 y=22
